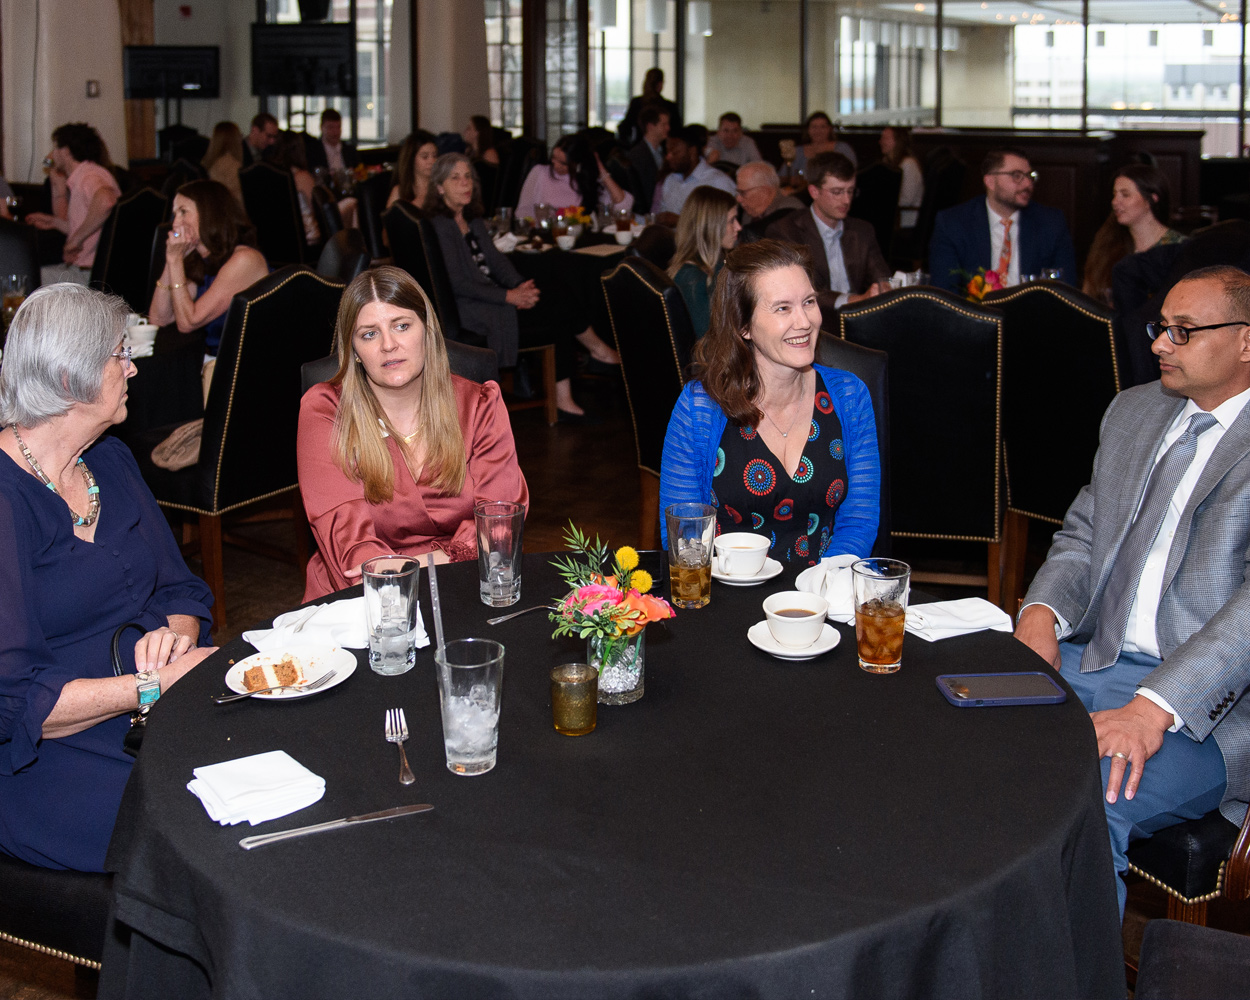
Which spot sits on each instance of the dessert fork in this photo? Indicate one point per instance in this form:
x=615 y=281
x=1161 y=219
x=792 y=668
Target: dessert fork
x=397 y=732
x=221 y=699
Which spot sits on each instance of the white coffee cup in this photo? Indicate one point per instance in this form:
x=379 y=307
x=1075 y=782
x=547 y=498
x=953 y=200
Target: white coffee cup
x=740 y=553
x=624 y=238
x=795 y=617
x=566 y=241
x=141 y=334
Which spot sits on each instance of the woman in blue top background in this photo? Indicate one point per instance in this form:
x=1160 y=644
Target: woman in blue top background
x=707 y=227
x=781 y=446
x=209 y=258
x=84 y=549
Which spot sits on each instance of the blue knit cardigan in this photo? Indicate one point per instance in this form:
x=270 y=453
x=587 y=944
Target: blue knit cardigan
x=694 y=433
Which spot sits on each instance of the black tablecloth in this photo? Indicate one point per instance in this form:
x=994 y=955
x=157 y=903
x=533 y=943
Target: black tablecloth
x=751 y=827
x=167 y=387
x=574 y=278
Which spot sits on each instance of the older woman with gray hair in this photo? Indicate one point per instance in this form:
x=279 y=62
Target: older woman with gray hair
x=84 y=551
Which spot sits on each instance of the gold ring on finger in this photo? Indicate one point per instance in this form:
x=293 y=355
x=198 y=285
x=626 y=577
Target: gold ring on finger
x=1123 y=756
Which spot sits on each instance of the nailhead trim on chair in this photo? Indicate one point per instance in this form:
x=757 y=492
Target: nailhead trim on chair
x=44 y=950
x=1219 y=885
x=227 y=510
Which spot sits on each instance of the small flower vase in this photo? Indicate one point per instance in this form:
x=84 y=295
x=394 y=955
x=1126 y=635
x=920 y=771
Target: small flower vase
x=621 y=673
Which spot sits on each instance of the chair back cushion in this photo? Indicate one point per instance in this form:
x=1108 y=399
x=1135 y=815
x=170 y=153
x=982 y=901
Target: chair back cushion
x=1033 y=418
x=478 y=364
x=156 y=262
x=655 y=338
x=18 y=253
x=63 y=910
x=414 y=247
x=269 y=197
x=248 y=445
x=872 y=368
x=326 y=207
x=655 y=243
x=876 y=200
x=943 y=188
x=488 y=176
x=371 y=195
x=945 y=409
x=1186 y=858
x=344 y=256
x=121 y=257
x=521 y=157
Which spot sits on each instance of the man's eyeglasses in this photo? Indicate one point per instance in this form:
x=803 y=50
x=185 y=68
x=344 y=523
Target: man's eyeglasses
x=1019 y=176
x=743 y=192
x=124 y=354
x=1179 y=335
x=849 y=192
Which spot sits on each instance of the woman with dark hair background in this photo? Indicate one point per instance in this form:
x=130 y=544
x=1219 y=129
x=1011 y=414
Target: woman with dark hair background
x=412 y=171
x=479 y=136
x=224 y=158
x=575 y=176
x=779 y=445
x=1140 y=206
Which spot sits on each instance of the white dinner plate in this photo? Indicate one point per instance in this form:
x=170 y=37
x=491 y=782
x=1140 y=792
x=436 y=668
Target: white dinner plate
x=762 y=638
x=771 y=568
x=315 y=661
x=530 y=248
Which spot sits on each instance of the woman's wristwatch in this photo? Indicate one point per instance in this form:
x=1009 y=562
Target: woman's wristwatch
x=149 y=684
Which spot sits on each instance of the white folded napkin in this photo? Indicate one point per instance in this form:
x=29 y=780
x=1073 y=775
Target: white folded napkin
x=257 y=788
x=831 y=579
x=339 y=623
x=506 y=242
x=944 y=619
x=141 y=351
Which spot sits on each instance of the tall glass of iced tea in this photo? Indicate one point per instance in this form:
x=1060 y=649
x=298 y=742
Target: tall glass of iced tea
x=691 y=528
x=881 y=587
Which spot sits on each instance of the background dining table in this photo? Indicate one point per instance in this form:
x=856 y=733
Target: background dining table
x=751 y=828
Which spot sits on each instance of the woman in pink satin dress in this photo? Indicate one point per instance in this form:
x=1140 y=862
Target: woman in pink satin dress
x=395 y=450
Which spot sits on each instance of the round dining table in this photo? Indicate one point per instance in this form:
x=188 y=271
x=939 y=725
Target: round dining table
x=752 y=827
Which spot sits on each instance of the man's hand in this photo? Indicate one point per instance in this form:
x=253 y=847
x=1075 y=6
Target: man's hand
x=1130 y=736
x=873 y=289
x=42 y=220
x=1036 y=629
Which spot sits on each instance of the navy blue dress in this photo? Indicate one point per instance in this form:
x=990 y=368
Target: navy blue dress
x=61 y=599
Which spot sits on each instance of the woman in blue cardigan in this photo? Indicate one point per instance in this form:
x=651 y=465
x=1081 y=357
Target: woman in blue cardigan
x=779 y=445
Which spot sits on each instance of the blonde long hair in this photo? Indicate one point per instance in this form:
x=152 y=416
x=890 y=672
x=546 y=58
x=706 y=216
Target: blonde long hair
x=701 y=230
x=356 y=444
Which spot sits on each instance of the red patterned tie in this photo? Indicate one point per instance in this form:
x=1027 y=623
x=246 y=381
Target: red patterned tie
x=1004 y=259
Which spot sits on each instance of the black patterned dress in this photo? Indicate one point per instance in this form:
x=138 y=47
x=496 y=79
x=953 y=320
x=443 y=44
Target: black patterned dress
x=751 y=491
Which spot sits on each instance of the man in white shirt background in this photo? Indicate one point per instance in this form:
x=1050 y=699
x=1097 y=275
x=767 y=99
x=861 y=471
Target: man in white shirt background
x=330 y=151
x=262 y=134
x=1143 y=603
x=687 y=171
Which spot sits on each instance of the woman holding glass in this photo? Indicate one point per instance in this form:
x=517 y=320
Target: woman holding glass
x=86 y=550
x=395 y=450
x=779 y=445
x=707 y=227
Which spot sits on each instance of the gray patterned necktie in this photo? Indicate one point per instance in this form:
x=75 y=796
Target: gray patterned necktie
x=1104 y=649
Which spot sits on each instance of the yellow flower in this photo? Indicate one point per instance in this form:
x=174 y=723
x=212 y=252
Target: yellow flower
x=627 y=558
x=641 y=580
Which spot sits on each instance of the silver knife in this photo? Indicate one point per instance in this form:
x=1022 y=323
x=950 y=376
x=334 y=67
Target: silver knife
x=247 y=843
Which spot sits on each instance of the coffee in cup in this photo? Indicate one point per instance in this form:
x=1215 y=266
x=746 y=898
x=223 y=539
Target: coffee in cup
x=795 y=617
x=741 y=553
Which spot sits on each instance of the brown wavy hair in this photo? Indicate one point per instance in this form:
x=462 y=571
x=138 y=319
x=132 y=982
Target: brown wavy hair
x=1113 y=242
x=222 y=225
x=358 y=449
x=723 y=360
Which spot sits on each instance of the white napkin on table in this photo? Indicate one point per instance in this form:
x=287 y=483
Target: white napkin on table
x=831 y=579
x=944 y=619
x=339 y=623
x=506 y=242
x=257 y=788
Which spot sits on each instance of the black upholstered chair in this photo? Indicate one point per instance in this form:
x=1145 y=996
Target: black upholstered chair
x=653 y=334
x=326 y=209
x=156 y=262
x=415 y=248
x=181 y=172
x=371 y=195
x=945 y=416
x=1181 y=961
x=477 y=364
x=344 y=256
x=523 y=154
x=655 y=243
x=271 y=203
x=488 y=177
x=872 y=367
x=247 y=450
x=19 y=254
x=1038 y=486
x=57 y=913
x=122 y=255
x=943 y=187
x=876 y=201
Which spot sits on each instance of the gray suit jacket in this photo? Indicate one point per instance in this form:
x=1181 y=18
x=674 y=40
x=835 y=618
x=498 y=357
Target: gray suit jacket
x=860 y=254
x=481 y=301
x=1203 y=624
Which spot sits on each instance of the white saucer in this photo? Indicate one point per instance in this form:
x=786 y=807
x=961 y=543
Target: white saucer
x=762 y=638
x=771 y=568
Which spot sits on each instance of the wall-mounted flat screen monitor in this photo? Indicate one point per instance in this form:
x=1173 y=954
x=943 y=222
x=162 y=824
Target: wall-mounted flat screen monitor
x=153 y=72
x=314 y=60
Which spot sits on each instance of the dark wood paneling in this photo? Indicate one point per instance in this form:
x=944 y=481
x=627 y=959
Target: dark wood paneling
x=1178 y=154
x=138 y=28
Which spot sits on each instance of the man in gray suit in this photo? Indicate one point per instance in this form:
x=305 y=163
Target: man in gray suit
x=846 y=262
x=1143 y=603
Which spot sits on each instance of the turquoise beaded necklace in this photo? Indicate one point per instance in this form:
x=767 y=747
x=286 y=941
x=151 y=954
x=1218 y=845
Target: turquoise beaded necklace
x=93 y=491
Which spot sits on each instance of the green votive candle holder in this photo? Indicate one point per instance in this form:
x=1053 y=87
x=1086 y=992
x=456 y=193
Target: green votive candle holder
x=574 y=697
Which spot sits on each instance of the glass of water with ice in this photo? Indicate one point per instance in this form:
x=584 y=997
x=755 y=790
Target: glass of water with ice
x=390 y=584
x=499 y=528
x=470 y=682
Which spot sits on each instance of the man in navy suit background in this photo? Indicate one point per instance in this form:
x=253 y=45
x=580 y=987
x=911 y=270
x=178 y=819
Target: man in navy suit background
x=1005 y=232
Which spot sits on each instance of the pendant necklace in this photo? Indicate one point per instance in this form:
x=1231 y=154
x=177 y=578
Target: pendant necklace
x=93 y=491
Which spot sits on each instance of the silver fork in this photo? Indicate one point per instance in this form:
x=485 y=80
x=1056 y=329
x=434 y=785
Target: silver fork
x=397 y=732
x=221 y=699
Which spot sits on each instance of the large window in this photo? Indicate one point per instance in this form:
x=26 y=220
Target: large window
x=628 y=37
x=503 y=63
